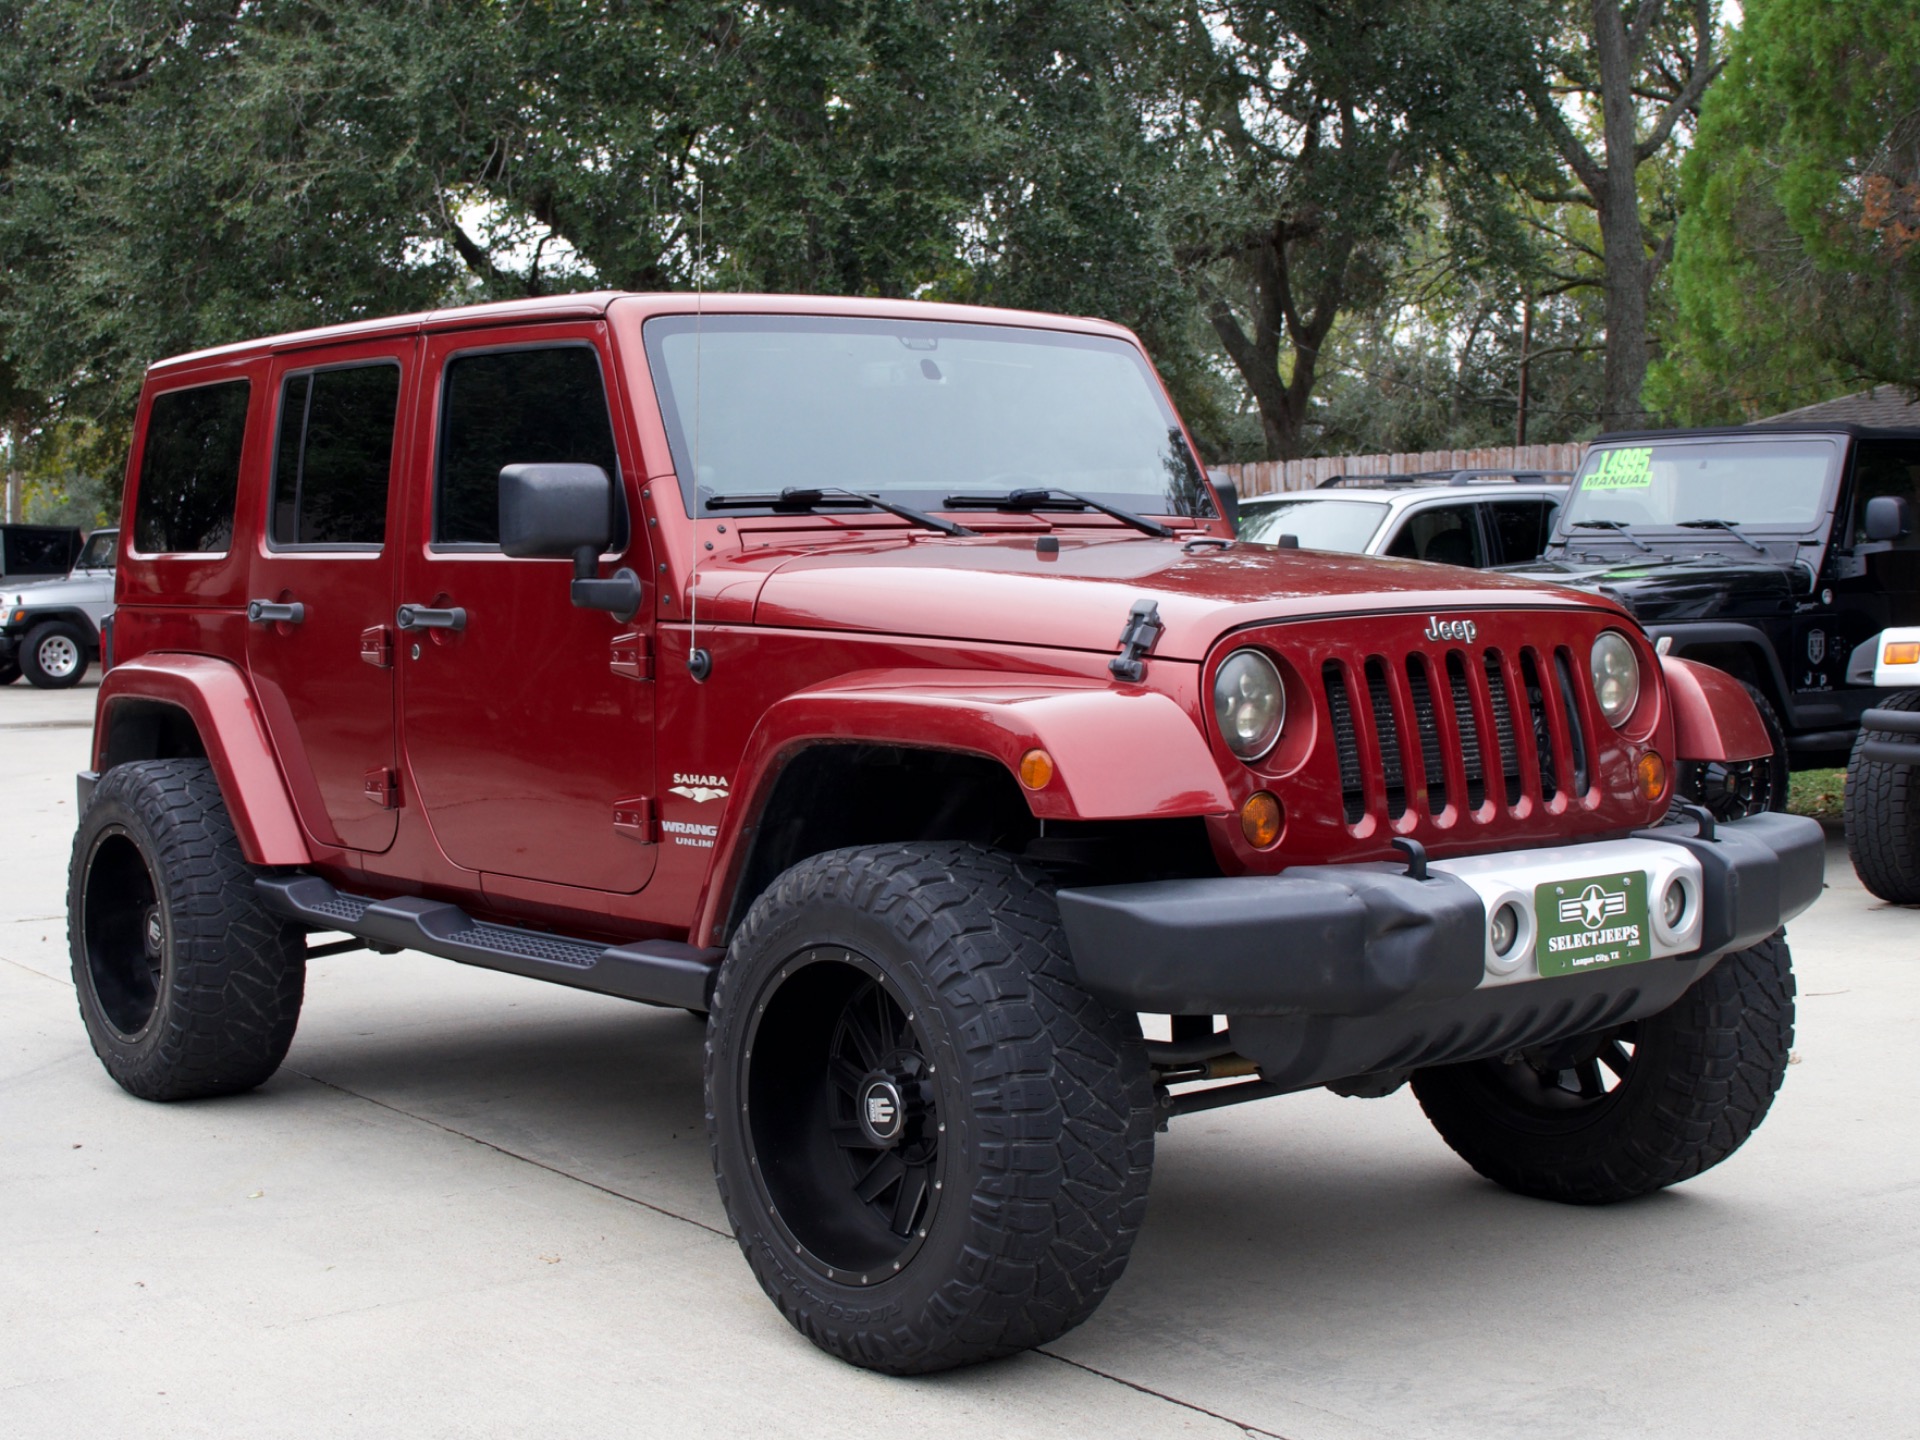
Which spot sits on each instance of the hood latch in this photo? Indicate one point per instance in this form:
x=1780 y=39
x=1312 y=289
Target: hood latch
x=1136 y=640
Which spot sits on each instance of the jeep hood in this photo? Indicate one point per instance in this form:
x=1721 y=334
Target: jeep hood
x=1002 y=592
x=1656 y=589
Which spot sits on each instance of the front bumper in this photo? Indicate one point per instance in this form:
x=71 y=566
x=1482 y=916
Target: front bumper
x=1334 y=971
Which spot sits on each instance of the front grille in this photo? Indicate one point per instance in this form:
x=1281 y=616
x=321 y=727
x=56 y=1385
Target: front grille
x=1448 y=725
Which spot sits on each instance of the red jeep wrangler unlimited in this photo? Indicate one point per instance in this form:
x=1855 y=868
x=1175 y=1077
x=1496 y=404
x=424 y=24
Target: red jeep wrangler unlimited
x=883 y=680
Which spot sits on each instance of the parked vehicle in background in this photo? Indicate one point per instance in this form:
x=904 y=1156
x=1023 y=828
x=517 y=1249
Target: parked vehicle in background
x=1882 y=803
x=881 y=680
x=1773 y=553
x=1476 y=518
x=30 y=552
x=50 y=631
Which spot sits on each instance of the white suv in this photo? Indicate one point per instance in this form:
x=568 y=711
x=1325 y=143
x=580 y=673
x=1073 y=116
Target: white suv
x=1477 y=518
x=50 y=630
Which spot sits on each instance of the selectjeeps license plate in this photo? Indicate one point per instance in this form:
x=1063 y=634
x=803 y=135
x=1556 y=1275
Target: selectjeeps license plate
x=1592 y=923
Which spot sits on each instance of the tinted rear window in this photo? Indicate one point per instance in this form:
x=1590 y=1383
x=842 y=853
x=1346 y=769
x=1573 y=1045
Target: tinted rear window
x=514 y=407
x=38 y=552
x=335 y=455
x=190 y=470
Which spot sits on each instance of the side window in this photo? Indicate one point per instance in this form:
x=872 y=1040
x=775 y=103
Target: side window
x=514 y=407
x=335 y=454
x=1522 y=527
x=1887 y=467
x=190 y=470
x=41 y=552
x=1442 y=534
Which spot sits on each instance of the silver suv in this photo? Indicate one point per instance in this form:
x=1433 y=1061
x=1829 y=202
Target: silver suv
x=50 y=629
x=1476 y=518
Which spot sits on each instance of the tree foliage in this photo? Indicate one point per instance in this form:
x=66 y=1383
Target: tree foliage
x=1346 y=226
x=1616 y=86
x=1309 y=138
x=1798 y=268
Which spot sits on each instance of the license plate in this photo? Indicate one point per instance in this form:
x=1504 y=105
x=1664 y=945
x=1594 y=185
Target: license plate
x=1592 y=923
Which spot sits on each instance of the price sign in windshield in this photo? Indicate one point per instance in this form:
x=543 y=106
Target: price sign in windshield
x=1628 y=468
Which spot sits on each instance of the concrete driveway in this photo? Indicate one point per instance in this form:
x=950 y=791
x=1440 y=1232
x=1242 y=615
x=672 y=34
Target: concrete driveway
x=472 y=1205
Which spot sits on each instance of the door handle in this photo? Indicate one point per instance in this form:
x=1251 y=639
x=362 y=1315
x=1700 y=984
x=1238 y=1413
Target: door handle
x=420 y=617
x=272 y=612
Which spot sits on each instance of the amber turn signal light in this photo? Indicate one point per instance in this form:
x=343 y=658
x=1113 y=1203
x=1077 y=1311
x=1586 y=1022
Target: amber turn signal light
x=1260 y=820
x=1651 y=772
x=1036 y=769
x=1901 y=652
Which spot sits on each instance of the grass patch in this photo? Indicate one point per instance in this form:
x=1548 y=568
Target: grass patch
x=1817 y=793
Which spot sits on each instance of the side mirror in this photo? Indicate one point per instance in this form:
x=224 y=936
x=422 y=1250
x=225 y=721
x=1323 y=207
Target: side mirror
x=562 y=511
x=1229 y=497
x=1887 y=518
x=555 y=511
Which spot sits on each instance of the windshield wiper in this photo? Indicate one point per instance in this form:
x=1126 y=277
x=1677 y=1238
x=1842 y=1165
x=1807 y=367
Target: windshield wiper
x=1728 y=526
x=1053 y=498
x=801 y=499
x=1619 y=527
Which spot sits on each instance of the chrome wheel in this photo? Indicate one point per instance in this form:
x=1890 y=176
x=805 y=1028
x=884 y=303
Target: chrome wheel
x=58 y=656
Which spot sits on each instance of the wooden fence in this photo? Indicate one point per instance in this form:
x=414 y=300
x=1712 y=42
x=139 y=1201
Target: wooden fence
x=1265 y=477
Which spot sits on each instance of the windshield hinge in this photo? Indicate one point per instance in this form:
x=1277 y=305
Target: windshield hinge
x=1143 y=628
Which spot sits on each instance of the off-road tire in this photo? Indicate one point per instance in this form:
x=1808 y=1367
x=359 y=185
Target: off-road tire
x=1702 y=1076
x=65 y=660
x=9 y=672
x=1042 y=1095
x=1882 y=812
x=215 y=1008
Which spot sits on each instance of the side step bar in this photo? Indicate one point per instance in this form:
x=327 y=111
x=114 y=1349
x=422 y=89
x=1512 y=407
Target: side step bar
x=659 y=972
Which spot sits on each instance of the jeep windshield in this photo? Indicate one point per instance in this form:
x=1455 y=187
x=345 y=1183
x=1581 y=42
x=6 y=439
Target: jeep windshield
x=99 y=552
x=915 y=411
x=1319 y=524
x=1766 y=483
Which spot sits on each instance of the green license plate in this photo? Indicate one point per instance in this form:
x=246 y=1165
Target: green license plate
x=1592 y=923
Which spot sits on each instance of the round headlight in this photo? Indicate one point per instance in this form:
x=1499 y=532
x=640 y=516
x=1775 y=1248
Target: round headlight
x=1249 y=703
x=1616 y=675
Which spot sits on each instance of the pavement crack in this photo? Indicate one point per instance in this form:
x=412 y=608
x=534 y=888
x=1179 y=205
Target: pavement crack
x=515 y=1155
x=50 y=979
x=1240 y=1425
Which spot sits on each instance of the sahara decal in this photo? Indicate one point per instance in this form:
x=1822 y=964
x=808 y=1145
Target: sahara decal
x=700 y=788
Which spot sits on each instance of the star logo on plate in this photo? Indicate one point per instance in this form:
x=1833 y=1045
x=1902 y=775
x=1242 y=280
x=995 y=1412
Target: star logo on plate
x=1593 y=906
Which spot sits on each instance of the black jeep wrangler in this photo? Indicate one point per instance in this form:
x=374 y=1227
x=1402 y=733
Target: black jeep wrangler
x=1770 y=552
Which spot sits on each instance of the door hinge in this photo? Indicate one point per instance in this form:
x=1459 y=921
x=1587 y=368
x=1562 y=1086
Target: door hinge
x=635 y=820
x=633 y=655
x=376 y=647
x=382 y=787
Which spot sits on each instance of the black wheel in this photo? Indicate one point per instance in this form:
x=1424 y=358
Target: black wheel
x=933 y=1145
x=1742 y=787
x=9 y=672
x=54 y=656
x=1882 y=812
x=1627 y=1111
x=187 y=986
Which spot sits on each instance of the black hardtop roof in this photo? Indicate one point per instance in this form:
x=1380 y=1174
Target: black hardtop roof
x=1765 y=430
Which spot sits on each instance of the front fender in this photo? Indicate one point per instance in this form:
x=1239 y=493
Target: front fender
x=1714 y=719
x=215 y=697
x=1118 y=754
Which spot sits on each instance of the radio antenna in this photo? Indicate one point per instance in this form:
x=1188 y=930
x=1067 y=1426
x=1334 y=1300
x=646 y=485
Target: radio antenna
x=699 y=662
